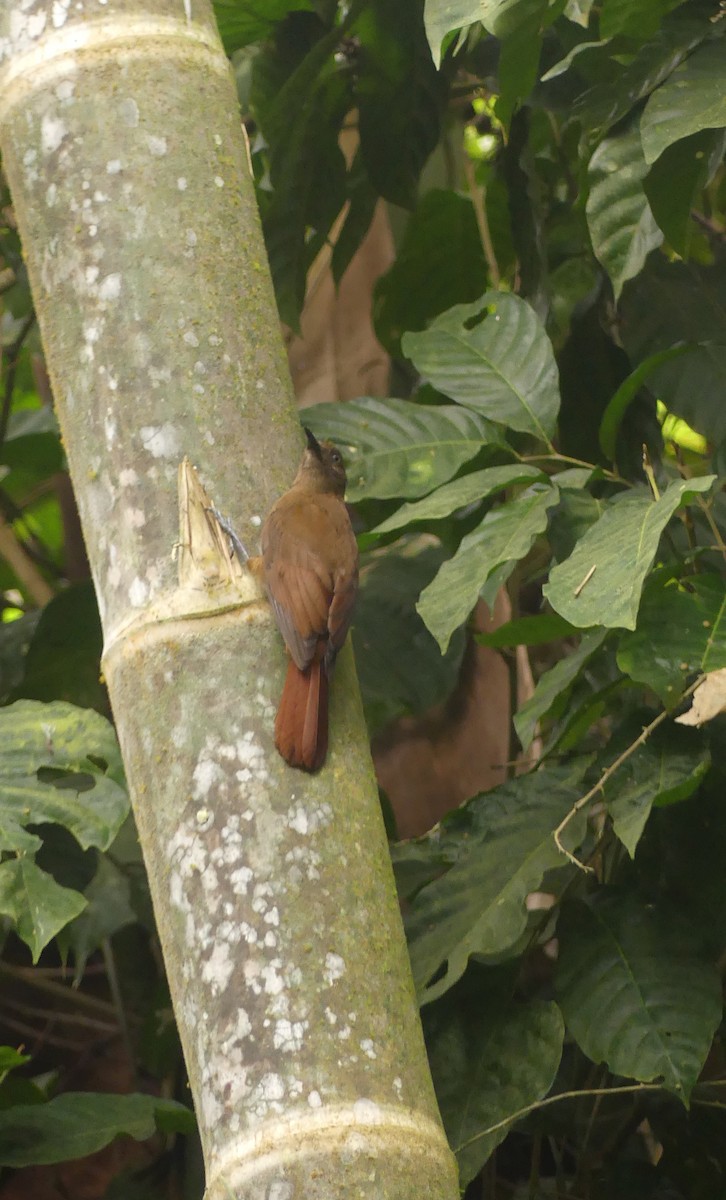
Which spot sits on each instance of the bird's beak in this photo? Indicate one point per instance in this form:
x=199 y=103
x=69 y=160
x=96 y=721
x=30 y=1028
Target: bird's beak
x=313 y=442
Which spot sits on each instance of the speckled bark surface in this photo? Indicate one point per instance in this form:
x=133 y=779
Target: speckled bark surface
x=272 y=890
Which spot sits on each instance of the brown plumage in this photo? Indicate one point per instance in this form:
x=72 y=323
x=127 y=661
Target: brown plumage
x=310 y=562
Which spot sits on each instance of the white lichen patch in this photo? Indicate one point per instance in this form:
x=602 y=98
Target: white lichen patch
x=368 y=1048
x=315 y=1100
x=288 y=1036
x=161 y=441
x=110 y=287
x=218 y=968
x=113 y=166
x=334 y=968
x=138 y=592
x=240 y=880
x=158 y=146
x=309 y=820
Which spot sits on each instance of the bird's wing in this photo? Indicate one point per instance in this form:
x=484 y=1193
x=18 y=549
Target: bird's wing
x=299 y=583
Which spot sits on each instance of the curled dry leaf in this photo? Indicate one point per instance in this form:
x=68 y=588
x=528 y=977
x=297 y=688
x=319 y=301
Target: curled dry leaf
x=709 y=699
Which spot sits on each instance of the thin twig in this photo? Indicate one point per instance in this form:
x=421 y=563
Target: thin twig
x=706 y=507
x=477 y=194
x=574 y=1095
x=609 y=772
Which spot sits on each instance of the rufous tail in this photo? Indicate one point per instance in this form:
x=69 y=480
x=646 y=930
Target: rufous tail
x=301 y=726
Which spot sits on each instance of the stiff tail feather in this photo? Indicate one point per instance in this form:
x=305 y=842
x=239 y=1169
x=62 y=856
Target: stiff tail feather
x=301 y=726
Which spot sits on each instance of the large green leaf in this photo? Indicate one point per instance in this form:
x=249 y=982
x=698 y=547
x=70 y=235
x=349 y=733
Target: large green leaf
x=622 y=226
x=398 y=97
x=666 y=769
x=484 y=560
x=38 y=906
x=400 y=667
x=638 y=19
x=633 y=992
x=680 y=630
x=493 y=356
x=303 y=148
x=440 y=262
x=671 y=303
x=602 y=580
x=607 y=102
x=76 y=1124
x=478 y=906
x=241 y=22
x=67 y=743
x=553 y=684
x=489 y=1062
x=469 y=489
x=692 y=99
x=675 y=183
x=443 y=16
x=398 y=448
x=520 y=54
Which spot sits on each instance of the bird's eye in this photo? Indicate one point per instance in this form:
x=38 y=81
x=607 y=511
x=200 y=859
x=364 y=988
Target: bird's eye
x=335 y=458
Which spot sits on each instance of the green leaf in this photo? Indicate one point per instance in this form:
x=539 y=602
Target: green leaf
x=681 y=629
x=666 y=769
x=64 y=657
x=602 y=580
x=64 y=739
x=37 y=905
x=469 y=489
x=303 y=141
x=478 y=906
x=606 y=103
x=504 y=536
x=400 y=667
x=398 y=448
x=487 y=1064
x=528 y=631
x=76 y=1124
x=675 y=183
x=493 y=356
x=241 y=22
x=638 y=19
x=519 y=57
x=671 y=303
x=622 y=226
x=441 y=16
x=633 y=992
x=108 y=909
x=553 y=684
x=618 y=406
x=398 y=97
x=440 y=262
x=691 y=99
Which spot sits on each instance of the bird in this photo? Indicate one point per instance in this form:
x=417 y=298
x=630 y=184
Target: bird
x=310 y=570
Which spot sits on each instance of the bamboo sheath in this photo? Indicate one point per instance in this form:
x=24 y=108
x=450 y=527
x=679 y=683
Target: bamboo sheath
x=272 y=890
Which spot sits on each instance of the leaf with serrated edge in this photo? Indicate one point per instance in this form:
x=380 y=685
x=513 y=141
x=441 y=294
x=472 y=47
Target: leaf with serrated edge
x=398 y=448
x=452 y=496
x=493 y=356
x=504 y=536
x=478 y=906
x=633 y=993
x=602 y=580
